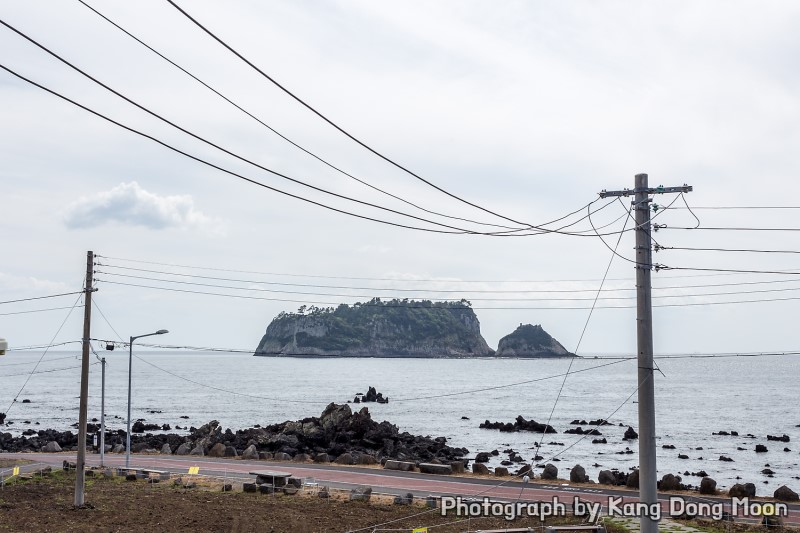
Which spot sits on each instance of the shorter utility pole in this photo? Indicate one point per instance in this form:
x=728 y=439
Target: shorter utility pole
x=80 y=464
x=648 y=478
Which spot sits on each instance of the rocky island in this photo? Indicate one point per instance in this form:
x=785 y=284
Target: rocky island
x=394 y=328
x=398 y=328
x=531 y=341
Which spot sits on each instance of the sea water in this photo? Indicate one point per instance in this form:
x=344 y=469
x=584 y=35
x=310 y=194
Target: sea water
x=450 y=397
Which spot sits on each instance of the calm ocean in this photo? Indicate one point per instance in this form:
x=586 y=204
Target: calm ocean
x=694 y=398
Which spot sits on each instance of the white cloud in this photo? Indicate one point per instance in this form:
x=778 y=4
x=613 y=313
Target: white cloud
x=129 y=204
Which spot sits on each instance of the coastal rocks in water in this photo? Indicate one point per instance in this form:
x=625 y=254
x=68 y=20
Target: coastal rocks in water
x=396 y=328
x=784 y=438
x=580 y=431
x=520 y=424
x=630 y=434
x=482 y=457
x=708 y=486
x=141 y=427
x=550 y=472
x=760 y=448
x=785 y=494
x=371 y=396
x=531 y=341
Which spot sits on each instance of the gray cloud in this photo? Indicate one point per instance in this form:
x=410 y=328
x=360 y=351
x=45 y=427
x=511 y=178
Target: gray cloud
x=131 y=205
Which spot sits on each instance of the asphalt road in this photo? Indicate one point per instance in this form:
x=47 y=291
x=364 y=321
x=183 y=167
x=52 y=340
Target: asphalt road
x=393 y=482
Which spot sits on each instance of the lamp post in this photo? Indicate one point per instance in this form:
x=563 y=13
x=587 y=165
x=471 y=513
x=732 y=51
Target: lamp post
x=102 y=412
x=130 y=367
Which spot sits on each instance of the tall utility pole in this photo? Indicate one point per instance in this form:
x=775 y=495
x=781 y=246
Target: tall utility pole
x=80 y=464
x=648 y=479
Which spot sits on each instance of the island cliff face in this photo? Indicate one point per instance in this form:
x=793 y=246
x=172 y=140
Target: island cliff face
x=396 y=328
x=531 y=341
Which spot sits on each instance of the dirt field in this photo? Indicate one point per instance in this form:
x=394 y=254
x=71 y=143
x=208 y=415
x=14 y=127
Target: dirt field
x=45 y=505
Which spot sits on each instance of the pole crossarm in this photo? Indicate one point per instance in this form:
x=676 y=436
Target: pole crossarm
x=647 y=190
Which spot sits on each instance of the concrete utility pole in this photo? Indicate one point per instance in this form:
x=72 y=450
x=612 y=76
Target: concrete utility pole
x=648 y=478
x=80 y=464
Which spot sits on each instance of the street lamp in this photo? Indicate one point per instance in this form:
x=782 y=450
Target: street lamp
x=130 y=367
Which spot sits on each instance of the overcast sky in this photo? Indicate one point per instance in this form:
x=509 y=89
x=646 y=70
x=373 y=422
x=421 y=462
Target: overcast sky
x=528 y=109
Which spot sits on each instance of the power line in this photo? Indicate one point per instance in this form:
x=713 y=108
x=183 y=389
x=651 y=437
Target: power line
x=38 y=310
x=692 y=249
x=45 y=352
x=42 y=372
x=282 y=136
x=33 y=362
x=585 y=326
x=217 y=167
x=721 y=207
x=430 y=280
x=457 y=231
x=658 y=227
x=41 y=297
x=340 y=129
x=481 y=308
x=210 y=143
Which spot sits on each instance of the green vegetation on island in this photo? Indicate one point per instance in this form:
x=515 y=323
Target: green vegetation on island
x=399 y=328
x=531 y=341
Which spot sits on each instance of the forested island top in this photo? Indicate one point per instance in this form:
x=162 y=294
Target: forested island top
x=397 y=328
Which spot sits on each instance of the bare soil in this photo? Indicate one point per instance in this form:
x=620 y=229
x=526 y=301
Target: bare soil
x=45 y=504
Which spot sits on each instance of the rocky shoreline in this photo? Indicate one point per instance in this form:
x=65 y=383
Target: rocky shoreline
x=340 y=435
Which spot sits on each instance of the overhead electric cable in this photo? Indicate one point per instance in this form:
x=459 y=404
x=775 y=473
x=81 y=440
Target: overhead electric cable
x=217 y=167
x=466 y=294
x=743 y=250
x=456 y=231
x=41 y=297
x=45 y=352
x=210 y=143
x=37 y=310
x=585 y=326
x=565 y=308
x=337 y=127
x=427 y=280
x=282 y=136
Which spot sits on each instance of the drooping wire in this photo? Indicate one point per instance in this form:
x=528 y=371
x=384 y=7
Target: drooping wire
x=583 y=331
x=40 y=297
x=217 y=167
x=38 y=310
x=58 y=331
x=337 y=127
x=456 y=231
x=210 y=143
x=282 y=136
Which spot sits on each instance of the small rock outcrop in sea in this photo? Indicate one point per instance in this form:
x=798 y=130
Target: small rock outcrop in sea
x=531 y=341
x=371 y=396
x=520 y=424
